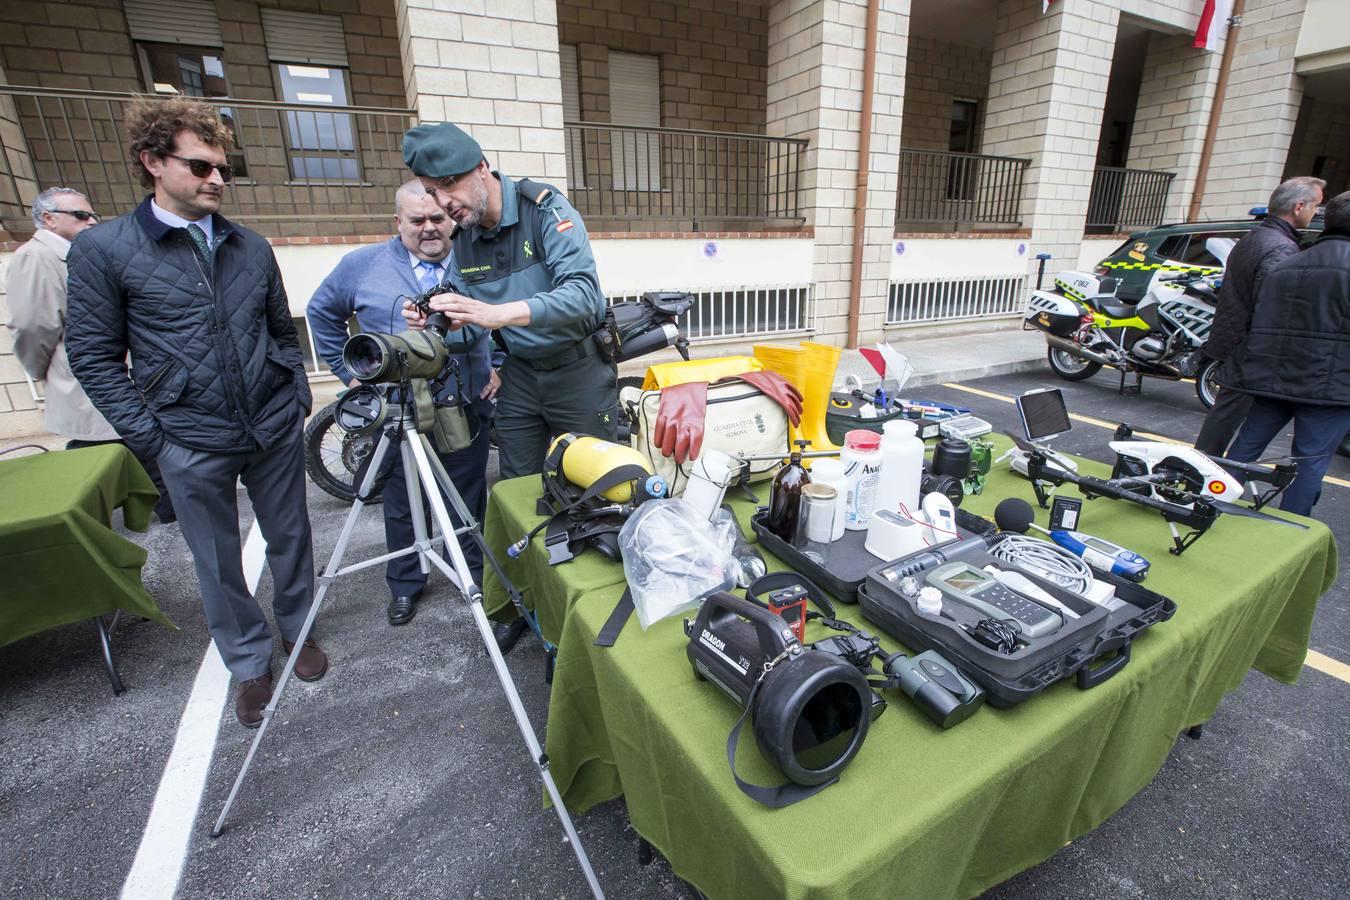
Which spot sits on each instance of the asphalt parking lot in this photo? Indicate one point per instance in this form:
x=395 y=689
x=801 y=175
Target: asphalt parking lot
x=401 y=773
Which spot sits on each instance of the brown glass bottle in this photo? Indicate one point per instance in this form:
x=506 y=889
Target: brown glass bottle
x=786 y=497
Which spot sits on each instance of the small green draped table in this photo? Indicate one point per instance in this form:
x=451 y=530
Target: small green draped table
x=920 y=812
x=60 y=559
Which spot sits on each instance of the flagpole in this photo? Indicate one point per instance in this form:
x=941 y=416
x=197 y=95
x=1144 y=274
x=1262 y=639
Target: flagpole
x=1220 y=89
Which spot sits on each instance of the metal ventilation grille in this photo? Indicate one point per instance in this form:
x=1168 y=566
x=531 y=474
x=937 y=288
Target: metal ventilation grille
x=953 y=299
x=745 y=311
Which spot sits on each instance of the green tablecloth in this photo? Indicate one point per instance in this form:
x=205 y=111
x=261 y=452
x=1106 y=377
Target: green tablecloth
x=60 y=562
x=920 y=812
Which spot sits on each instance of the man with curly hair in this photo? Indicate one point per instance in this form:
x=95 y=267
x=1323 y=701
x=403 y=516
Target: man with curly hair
x=217 y=392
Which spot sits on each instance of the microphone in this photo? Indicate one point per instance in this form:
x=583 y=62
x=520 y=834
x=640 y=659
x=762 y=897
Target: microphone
x=1015 y=514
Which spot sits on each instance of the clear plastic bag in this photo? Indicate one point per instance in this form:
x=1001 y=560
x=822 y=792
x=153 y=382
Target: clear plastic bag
x=673 y=559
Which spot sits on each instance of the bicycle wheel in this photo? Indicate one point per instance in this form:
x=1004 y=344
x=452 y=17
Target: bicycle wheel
x=332 y=456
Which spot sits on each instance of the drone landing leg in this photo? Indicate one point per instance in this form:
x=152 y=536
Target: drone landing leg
x=1183 y=541
x=1044 y=492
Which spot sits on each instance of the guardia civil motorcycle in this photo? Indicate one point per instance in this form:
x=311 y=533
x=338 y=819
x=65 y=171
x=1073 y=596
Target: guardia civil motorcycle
x=1087 y=327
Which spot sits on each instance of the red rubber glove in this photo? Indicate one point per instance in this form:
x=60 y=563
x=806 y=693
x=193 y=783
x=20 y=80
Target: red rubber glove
x=778 y=389
x=679 y=422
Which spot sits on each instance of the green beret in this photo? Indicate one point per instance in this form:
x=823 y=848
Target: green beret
x=440 y=151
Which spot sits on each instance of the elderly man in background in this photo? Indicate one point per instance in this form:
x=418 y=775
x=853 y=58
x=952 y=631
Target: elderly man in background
x=1291 y=207
x=1295 y=363
x=371 y=284
x=37 y=306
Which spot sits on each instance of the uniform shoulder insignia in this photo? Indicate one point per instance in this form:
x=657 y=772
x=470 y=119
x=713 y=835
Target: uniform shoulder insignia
x=545 y=196
x=536 y=193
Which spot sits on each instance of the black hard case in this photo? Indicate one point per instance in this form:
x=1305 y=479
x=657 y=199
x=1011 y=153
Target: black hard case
x=1099 y=635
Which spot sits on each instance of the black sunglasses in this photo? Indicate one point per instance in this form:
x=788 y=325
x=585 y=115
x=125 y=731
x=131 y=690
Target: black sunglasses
x=201 y=168
x=81 y=214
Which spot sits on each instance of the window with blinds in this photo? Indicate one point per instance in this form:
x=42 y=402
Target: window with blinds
x=309 y=52
x=190 y=22
x=635 y=99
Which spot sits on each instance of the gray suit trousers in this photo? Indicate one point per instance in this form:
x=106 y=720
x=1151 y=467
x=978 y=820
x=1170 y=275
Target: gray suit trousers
x=203 y=486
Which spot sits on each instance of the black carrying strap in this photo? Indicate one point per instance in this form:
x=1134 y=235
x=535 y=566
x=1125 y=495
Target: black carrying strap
x=775 y=797
x=617 y=619
x=558 y=504
x=776 y=580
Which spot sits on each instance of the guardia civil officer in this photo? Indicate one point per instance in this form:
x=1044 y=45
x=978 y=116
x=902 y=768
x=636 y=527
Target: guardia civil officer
x=522 y=267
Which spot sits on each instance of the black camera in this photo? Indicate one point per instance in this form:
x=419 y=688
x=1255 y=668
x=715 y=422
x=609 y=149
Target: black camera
x=810 y=708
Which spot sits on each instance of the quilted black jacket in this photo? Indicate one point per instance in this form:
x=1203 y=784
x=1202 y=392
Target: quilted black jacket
x=1251 y=259
x=216 y=361
x=1299 y=346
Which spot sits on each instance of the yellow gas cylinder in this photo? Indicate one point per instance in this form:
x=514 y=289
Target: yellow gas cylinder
x=586 y=459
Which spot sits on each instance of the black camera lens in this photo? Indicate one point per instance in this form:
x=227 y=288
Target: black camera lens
x=365 y=356
x=812 y=716
x=827 y=726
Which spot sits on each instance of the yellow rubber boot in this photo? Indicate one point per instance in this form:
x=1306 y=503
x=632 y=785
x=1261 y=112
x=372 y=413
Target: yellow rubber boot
x=810 y=368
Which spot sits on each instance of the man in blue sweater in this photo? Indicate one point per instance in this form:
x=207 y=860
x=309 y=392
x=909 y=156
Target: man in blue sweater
x=371 y=284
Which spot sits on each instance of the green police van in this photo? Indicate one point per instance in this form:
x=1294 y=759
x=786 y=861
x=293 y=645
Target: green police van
x=1178 y=248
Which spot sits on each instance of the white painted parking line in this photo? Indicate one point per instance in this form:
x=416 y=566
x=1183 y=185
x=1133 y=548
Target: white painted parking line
x=159 y=860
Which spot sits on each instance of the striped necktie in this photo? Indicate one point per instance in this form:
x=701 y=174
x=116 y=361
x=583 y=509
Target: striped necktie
x=428 y=276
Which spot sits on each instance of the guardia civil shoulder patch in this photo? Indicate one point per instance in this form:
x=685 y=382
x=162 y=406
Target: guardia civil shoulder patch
x=563 y=225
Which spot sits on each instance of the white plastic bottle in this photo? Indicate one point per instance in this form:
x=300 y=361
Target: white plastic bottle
x=831 y=472
x=861 y=457
x=901 y=466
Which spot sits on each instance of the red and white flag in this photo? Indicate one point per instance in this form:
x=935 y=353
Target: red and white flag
x=1213 y=24
x=1045 y=6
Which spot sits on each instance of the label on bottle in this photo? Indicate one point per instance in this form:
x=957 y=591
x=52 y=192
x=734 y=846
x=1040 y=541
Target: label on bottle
x=864 y=477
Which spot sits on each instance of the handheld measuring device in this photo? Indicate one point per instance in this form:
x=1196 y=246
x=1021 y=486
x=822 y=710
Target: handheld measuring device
x=1102 y=555
x=963 y=583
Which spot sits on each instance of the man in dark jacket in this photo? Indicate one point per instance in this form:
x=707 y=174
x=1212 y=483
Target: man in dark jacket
x=1291 y=207
x=217 y=391
x=1296 y=361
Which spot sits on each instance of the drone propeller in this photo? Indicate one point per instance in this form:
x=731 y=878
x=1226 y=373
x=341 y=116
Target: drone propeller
x=1234 y=510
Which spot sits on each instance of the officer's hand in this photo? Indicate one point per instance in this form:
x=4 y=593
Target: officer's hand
x=414 y=319
x=467 y=311
x=494 y=384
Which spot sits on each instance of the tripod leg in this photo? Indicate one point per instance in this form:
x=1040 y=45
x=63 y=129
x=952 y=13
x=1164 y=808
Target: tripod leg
x=326 y=579
x=415 y=505
x=447 y=485
x=474 y=594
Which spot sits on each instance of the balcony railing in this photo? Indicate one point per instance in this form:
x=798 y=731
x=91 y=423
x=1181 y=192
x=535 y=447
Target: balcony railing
x=300 y=169
x=959 y=190
x=677 y=175
x=1126 y=199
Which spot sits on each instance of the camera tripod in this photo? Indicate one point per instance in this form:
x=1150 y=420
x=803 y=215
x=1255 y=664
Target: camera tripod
x=422 y=471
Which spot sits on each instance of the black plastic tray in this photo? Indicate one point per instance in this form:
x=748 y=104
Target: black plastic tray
x=849 y=560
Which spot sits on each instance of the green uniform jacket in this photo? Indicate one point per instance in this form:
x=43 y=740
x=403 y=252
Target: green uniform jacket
x=539 y=254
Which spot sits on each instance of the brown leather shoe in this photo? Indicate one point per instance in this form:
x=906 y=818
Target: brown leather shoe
x=312 y=662
x=251 y=699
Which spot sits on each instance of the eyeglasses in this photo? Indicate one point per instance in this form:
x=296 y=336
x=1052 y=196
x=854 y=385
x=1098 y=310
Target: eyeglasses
x=83 y=215
x=201 y=168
